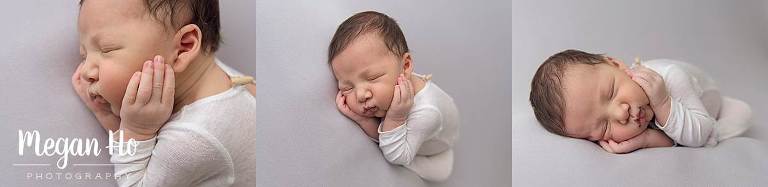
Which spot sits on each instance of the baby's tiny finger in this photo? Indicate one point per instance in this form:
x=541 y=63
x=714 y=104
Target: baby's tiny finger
x=605 y=146
x=405 y=85
x=396 y=97
x=145 y=84
x=157 y=79
x=130 y=91
x=411 y=90
x=613 y=143
x=339 y=98
x=169 y=87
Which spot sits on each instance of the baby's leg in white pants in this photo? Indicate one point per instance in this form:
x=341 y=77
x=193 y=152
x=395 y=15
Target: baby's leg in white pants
x=734 y=118
x=436 y=167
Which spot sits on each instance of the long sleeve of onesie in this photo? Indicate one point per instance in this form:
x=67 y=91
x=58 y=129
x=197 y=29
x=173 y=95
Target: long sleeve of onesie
x=688 y=122
x=401 y=144
x=177 y=156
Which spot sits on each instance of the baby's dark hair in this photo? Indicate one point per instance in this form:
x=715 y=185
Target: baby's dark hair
x=547 y=89
x=363 y=23
x=203 y=13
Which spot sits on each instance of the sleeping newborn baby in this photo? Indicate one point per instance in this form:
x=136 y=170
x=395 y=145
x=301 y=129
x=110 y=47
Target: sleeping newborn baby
x=658 y=103
x=414 y=121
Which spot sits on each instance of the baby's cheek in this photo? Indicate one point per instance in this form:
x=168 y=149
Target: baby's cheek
x=113 y=91
x=384 y=94
x=353 y=104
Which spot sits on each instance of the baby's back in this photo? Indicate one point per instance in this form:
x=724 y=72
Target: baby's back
x=228 y=120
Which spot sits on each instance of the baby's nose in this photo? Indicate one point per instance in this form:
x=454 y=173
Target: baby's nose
x=626 y=114
x=363 y=95
x=89 y=73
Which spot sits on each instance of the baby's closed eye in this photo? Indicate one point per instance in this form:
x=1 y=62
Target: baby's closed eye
x=345 y=90
x=376 y=76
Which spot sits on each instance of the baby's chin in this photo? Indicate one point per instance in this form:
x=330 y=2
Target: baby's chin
x=114 y=108
x=380 y=113
x=377 y=114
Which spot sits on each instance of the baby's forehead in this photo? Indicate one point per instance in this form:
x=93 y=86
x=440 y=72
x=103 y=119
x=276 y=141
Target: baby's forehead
x=581 y=93
x=121 y=8
x=96 y=14
x=580 y=81
x=578 y=124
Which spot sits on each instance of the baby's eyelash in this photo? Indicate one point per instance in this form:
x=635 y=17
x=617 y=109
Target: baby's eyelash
x=611 y=95
x=107 y=50
x=375 y=77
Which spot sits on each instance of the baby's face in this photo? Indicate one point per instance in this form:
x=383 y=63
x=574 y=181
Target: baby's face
x=603 y=103
x=367 y=72
x=116 y=37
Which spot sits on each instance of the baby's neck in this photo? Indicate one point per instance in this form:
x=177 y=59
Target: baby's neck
x=201 y=79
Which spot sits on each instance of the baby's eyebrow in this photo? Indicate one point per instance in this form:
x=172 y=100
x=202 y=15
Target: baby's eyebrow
x=365 y=72
x=342 y=83
x=96 y=38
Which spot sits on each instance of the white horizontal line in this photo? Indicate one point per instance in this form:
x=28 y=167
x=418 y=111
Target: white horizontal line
x=72 y=164
x=31 y=164
x=100 y=164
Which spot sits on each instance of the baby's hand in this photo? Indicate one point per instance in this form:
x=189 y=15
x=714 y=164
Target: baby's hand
x=402 y=101
x=634 y=143
x=102 y=111
x=341 y=104
x=369 y=125
x=653 y=85
x=148 y=100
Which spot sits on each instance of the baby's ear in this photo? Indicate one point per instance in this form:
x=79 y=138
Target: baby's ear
x=407 y=64
x=188 y=42
x=617 y=63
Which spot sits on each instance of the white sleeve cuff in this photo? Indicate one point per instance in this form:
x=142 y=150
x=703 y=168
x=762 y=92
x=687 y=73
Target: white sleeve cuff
x=392 y=130
x=671 y=115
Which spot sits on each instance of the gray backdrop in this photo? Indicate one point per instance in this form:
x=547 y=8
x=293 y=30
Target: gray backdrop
x=302 y=140
x=725 y=38
x=38 y=53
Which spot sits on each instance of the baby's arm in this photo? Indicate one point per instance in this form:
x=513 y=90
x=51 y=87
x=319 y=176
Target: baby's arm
x=657 y=138
x=653 y=85
x=406 y=128
x=401 y=144
x=184 y=156
x=684 y=119
x=401 y=104
x=370 y=129
x=368 y=125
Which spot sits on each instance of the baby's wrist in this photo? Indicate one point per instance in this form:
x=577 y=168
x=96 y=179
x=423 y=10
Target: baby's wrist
x=647 y=143
x=136 y=134
x=103 y=114
x=656 y=138
x=391 y=123
x=394 y=120
x=663 y=102
x=367 y=121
